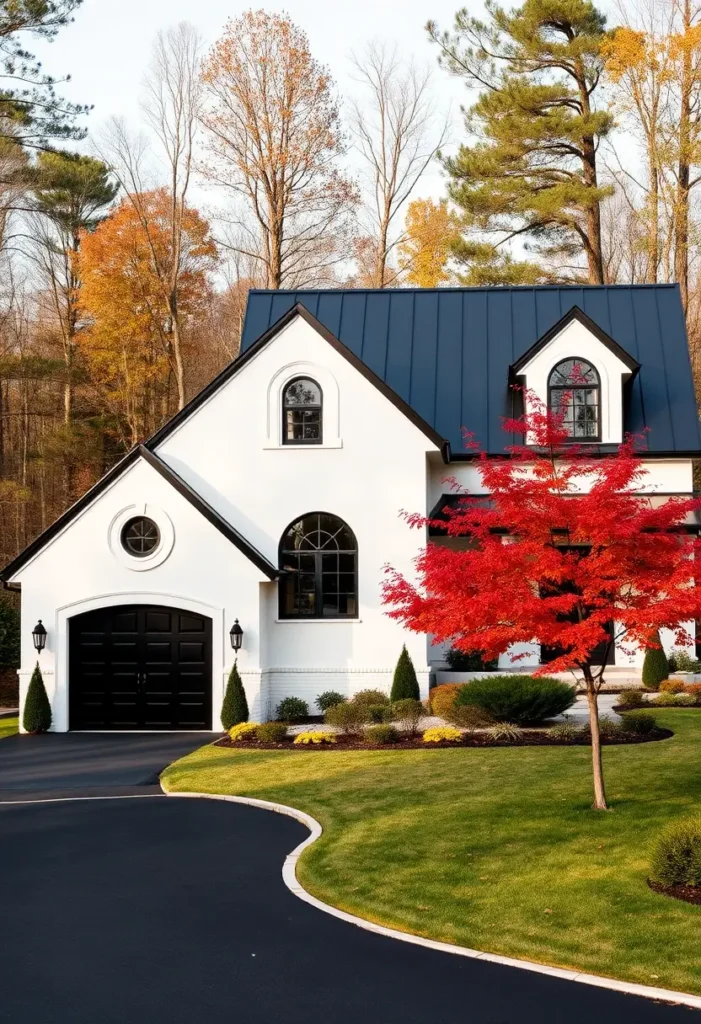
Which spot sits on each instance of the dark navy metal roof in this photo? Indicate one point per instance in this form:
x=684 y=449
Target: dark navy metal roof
x=447 y=351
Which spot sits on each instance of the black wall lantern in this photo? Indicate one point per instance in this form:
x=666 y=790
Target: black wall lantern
x=39 y=637
x=236 y=634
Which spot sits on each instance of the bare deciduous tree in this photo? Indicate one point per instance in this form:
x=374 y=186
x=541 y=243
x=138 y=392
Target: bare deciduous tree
x=274 y=139
x=397 y=133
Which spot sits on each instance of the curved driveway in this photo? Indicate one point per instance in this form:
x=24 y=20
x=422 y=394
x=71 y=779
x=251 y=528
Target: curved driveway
x=168 y=911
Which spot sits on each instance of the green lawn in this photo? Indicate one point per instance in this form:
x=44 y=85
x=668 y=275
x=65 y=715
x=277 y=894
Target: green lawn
x=496 y=849
x=8 y=727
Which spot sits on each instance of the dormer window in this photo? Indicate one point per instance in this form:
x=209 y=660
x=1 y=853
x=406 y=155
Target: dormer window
x=574 y=390
x=301 y=412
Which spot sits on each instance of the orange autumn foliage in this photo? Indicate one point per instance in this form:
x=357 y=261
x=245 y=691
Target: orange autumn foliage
x=127 y=337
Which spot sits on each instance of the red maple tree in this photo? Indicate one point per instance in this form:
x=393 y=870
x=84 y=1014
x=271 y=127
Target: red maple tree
x=564 y=553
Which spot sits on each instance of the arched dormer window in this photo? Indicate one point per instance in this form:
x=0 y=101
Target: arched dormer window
x=319 y=557
x=301 y=412
x=574 y=389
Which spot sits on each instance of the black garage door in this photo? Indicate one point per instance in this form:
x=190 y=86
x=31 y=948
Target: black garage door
x=140 y=667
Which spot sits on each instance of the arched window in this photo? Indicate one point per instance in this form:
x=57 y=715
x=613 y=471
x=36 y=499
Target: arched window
x=319 y=557
x=301 y=412
x=574 y=389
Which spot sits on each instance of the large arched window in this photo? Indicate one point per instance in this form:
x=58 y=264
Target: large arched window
x=319 y=559
x=574 y=389
x=301 y=412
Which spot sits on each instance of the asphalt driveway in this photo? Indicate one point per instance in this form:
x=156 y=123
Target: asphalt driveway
x=162 y=910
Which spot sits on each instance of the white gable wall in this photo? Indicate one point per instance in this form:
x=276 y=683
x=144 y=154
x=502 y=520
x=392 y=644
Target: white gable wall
x=82 y=569
x=371 y=465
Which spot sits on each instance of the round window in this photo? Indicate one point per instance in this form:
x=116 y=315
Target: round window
x=140 y=536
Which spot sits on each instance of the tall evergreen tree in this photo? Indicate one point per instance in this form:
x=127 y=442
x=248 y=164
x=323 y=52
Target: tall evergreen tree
x=405 y=685
x=530 y=172
x=31 y=113
x=235 y=706
x=36 y=716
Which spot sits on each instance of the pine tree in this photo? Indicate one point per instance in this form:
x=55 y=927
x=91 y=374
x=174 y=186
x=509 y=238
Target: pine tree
x=405 y=685
x=235 y=707
x=531 y=173
x=655 y=665
x=37 y=710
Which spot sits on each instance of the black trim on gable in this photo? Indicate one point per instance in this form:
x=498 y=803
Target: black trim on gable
x=176 y=481
x=233 y=368
x=575 y=313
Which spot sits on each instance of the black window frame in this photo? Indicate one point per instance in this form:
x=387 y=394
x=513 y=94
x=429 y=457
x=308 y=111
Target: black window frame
x=285 y=408
x=125 y=530
x=571 y=388
x=289 y=577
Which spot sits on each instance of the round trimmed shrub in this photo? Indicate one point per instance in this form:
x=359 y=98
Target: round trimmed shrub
x=655 y=665
x=379 y=713
x=672 y=686
x=369 y=698
x=441 y=698
x=677 y=856
x=469 y=717
x=377 y=735
x=271 y=732
x=405 y=685
x=291 y=709
x=667 y=700
x=631 y=699
x=314 y=737
x=408 y=713
x=517 y=698
x=244 y=731
x=349 y=718
x=640 y=723
x=329 y=699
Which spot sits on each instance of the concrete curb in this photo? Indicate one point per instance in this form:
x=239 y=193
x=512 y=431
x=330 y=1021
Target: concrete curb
x=289 y=875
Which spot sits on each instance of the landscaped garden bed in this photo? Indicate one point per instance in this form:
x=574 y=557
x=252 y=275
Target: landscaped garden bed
x=495 y=849
x=529 y=738
x=688 y=893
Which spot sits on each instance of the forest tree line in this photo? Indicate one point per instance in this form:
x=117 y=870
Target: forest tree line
x=126 y=259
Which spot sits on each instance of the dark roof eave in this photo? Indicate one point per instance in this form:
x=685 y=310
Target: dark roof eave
x=574 y=313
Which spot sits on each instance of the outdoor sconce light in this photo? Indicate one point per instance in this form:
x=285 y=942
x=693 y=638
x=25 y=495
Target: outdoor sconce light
x=39 y=637
x=236 y=634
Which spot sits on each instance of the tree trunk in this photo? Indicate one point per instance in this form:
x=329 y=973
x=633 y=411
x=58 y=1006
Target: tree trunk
x=595 y=259
x=597 y=765
x=653 y=244
x=681 y=211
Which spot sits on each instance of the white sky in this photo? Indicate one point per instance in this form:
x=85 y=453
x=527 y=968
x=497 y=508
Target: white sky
x=107 y=49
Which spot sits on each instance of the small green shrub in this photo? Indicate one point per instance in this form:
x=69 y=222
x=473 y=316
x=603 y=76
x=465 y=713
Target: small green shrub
x=655 y=665
x=462 y=661
x=329 y=699
x=565 y=732
x=405 y=685
x=349 y=718
x=609 y=729
x=291 y=709
x=36 y=716
x=681 y=661
x=666 y=700
x=518 y=698
x=369 y=698
x=640 y=723
x=376 y=735
x=379 y=713
x=408 y=713
x=505 y=731
x=631 y=699
x=686 y=700
x=235 y=706
x=271 y=732
x=468 y=717
x=677 y=856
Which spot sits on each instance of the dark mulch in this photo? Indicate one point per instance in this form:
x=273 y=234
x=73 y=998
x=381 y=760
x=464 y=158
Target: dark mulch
x=535 y=739
x=688 y=893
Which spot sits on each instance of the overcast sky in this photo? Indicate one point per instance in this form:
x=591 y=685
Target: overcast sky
x=107 y=48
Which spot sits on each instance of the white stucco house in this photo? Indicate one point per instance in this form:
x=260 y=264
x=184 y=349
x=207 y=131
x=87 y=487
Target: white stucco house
x=274 y=497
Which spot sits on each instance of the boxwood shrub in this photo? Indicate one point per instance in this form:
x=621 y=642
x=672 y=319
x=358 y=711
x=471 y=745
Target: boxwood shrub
x=677 y=856
x=518 y=698
x=291 y=709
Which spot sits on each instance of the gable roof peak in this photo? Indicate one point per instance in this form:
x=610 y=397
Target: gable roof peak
x=575 y=314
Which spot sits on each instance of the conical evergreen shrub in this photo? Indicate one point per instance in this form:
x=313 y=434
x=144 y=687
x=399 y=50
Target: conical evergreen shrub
x=405 y=685
x=655 y=666
x=36 y=716
x=235 y=707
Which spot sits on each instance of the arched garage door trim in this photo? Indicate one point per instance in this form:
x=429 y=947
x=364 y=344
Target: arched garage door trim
x=60 y=700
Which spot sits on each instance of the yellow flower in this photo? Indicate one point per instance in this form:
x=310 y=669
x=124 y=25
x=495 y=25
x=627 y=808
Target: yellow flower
x=314 y=737
x=442 y=733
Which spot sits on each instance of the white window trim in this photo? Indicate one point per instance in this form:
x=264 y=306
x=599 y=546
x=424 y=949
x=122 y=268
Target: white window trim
x=330 y=407
x=159 y=553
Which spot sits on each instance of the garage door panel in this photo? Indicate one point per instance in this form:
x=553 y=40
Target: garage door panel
x=138 y=667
